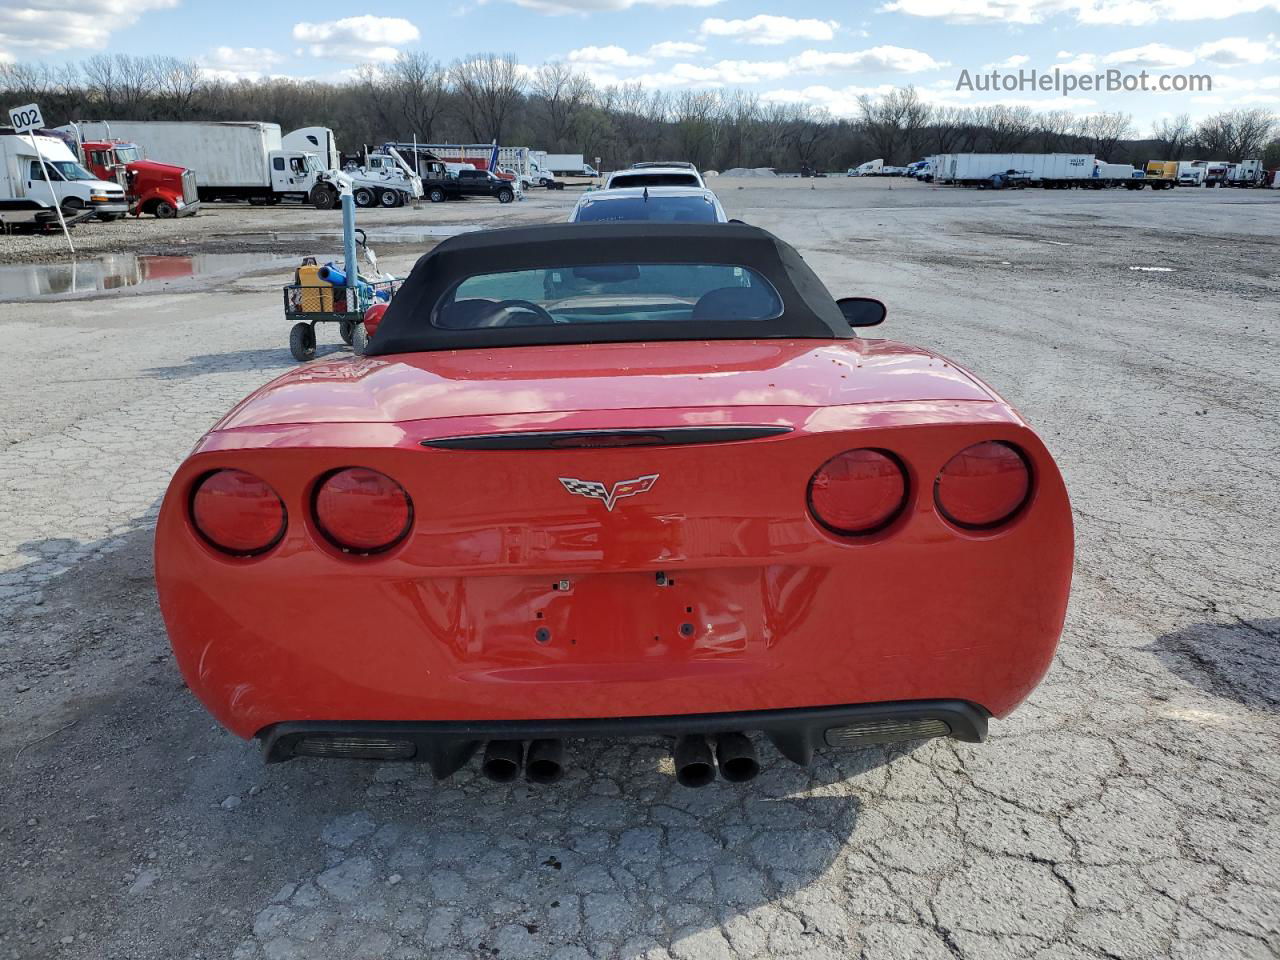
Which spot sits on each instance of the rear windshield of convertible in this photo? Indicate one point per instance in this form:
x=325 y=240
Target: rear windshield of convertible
x=611 y=293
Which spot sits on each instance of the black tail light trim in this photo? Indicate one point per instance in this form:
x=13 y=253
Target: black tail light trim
x=592 y=439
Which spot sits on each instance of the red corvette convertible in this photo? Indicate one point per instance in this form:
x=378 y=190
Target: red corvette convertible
x=616 y=479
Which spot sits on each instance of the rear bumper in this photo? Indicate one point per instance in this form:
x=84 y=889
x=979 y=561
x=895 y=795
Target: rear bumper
x=797 y=733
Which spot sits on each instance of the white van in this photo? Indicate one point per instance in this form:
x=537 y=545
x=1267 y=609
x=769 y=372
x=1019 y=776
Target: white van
x=27 y=197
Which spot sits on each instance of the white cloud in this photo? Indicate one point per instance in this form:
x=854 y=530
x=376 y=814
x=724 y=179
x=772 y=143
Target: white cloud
x=1237 y=51
x=730 y=73
x=1010 y=63
x=239 y=63
x=365 y=39
x=841 y=102
x=352 y=52
x=596 y=6
x=1155 y=55
x=611 y=56
x=723 y=74
x=767 y=30
x=36 y=28
x=887 y=59
x=670 y=49
x=378 y=31
x=1114 y=12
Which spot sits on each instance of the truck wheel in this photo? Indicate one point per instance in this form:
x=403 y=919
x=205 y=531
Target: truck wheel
x=359 y=340
x=506 y=196
x=323 y=197
x=164 y=210
x=364 y=197
x=302 y=342
x=258 y=201
x=388 y=198
x=345 y=328
x=436 y=195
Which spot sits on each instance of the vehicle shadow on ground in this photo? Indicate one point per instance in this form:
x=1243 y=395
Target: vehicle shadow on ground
x=315 y=858
x=238 y=361
x=1240 y=661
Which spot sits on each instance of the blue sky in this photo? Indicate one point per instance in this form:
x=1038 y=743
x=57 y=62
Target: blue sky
x=825 y=54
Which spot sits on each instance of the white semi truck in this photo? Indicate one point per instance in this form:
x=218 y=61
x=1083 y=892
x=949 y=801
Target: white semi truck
x=28 y=196
x=248 y=161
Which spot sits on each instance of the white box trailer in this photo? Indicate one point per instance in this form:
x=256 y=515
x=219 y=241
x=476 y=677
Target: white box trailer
x=1045 y=169
x=568 y=165
x=234 y=156
x=1116 y=175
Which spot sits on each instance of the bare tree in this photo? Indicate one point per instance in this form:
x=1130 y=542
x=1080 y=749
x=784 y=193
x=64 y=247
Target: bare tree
x=1056 y=130
x=1235 y=134
x=177 y=83
x=896 y=125
x=417 y=86
x=564 y=94
x=1174 y=135
x=1008 y=128
x=490 y=86
x=696 y=129
x=1103 y=131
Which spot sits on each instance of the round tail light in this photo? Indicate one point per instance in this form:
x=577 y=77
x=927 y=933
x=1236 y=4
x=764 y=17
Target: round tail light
x=237 y=512
x=984 y=485
x=858 y=491
x=362 y=510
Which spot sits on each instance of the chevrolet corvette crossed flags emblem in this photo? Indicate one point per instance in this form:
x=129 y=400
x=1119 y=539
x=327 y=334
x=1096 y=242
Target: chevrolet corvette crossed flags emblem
x=595 y=490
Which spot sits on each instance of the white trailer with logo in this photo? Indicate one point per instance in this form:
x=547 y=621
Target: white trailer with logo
x=1050 y=170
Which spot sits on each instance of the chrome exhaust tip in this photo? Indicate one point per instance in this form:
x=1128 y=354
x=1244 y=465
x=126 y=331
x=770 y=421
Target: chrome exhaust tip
x=502 y=760
x=545 y=762
x=694 y=764
x=736 y=757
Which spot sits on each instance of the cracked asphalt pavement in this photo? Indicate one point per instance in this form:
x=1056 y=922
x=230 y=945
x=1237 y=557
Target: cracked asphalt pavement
x=1130 y=809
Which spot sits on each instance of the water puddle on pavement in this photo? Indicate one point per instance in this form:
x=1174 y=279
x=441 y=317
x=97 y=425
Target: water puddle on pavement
x=116 y=271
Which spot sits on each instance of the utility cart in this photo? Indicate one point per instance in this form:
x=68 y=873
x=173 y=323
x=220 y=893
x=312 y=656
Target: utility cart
x=322 y=294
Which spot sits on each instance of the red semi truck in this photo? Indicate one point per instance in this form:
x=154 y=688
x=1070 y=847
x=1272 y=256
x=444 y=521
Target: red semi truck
x=163 y=190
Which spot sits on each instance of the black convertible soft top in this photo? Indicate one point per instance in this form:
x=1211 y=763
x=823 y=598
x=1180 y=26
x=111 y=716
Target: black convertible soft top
x=809 y=311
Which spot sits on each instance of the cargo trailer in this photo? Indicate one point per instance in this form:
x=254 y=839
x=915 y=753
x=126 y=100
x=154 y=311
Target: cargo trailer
x=1052 y=170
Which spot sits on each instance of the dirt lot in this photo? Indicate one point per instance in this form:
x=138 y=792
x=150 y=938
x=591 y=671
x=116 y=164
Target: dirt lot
x=1131 y=809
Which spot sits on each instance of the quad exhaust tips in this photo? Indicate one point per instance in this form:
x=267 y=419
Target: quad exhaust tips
x=503 y=760
x=695 y=762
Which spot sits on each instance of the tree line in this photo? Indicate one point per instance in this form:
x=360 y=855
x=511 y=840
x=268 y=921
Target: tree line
x=556 y=108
